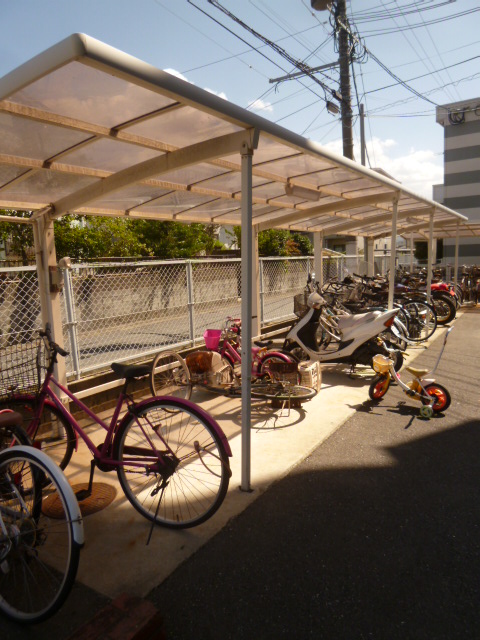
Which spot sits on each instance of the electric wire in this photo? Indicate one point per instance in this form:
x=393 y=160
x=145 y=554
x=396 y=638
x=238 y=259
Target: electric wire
x=426 y=61
x=254 y=48
x=279 y=50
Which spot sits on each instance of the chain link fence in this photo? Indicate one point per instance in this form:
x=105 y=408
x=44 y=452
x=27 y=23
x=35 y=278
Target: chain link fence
x=19 y=305
x=118 y=312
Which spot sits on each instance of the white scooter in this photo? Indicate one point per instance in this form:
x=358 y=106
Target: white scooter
x=350 y=339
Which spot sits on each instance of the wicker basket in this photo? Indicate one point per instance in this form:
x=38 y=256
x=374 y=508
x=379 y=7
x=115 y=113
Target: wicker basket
x=22 y=368
x=286 y=372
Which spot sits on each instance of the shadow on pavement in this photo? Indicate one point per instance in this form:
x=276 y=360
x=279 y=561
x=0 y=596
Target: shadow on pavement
x=386 y=547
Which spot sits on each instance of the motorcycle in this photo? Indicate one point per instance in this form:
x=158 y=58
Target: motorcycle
x=349 y=339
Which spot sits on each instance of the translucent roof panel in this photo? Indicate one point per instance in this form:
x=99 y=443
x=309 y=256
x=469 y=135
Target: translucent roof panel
x=87 y=128
x=33 y=188
x=182 y=127
x=108 y=155
x=91 y=95
x=30 y=139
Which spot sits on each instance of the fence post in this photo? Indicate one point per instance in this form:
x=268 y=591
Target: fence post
x=191 y=302
x=262 y=292
x=71 y=321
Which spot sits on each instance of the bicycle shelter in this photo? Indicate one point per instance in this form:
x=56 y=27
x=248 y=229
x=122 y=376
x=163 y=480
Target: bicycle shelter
x=88 y=129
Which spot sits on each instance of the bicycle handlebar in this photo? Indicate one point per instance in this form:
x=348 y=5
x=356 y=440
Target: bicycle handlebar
x=51 y=344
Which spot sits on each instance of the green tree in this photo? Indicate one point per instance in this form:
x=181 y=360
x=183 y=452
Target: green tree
x=279 y=242
x=167 y=239
x=83 y=238
x=89 y=237
x=304 y=243
x=20 y=236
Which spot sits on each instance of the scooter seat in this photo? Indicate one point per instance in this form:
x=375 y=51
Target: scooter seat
x=358 y=318
x=418 y=373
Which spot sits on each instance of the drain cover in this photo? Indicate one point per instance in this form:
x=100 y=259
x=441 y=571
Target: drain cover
x=102 y=495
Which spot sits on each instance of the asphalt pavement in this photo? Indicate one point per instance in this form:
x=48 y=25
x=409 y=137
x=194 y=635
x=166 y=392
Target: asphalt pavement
x=374 y=535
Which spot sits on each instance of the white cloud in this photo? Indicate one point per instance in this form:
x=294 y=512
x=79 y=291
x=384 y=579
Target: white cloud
x=176 y=73
x=220 y=94
x=418 y=170
x=260 y=105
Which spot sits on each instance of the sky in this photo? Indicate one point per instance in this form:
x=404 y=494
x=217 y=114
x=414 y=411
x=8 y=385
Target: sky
x=410 y=57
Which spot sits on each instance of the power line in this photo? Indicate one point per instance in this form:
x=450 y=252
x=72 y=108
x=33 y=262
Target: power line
x=254 y=48
x=424 y=75
x=279 y=50
x=372 y=15
x=242 y=53
x=387 y=31
x=426 y=61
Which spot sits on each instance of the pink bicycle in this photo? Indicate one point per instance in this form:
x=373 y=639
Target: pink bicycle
x=274 y=374
x=171 y=457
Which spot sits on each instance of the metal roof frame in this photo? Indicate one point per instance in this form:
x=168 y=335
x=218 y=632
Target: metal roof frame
x=351 y=197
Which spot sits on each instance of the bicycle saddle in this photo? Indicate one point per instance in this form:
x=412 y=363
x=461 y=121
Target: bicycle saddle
x=130 y=370
x=10 y=419
x=417 y=372
x=263 y=343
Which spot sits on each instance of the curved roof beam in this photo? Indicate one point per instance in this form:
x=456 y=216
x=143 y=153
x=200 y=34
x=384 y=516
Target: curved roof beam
x=199 y=152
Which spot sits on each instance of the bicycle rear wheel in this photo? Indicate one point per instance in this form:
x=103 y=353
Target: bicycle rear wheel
x=421 y=320
x=53 y=434
x=170 y=376
x=174 y=466
x=38 y=554
x=12 y=434
x=441 y=395
x=282 y=392
x=444 y=308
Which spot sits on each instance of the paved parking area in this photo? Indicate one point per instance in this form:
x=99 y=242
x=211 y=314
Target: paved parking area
x=363 y=522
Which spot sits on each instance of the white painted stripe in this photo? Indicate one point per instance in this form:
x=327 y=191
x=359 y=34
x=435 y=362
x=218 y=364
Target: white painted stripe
x=460 y=166
x=461 y=141
x=461 y=191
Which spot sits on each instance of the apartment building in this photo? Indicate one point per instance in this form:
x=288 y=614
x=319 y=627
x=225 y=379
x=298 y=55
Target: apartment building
x=461 y=188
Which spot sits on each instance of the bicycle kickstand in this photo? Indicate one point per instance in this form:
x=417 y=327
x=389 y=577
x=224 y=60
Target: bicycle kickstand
x=83 y=494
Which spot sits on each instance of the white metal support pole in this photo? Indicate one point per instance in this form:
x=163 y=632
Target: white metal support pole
x=47 y=273
x=255 y=294
x=412 y=244
x=247 y=278
x=366 y=256
x=430 y=258
x=371 y=257
x=318 y=256
x=393 y=252
x=191 y=302
x=455 y=274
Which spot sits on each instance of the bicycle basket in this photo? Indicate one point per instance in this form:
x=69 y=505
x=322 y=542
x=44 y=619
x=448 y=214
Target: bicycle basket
x=285 y=372
x=300 y=307
x=381 y=364
x=212 y=338
x=22 y=368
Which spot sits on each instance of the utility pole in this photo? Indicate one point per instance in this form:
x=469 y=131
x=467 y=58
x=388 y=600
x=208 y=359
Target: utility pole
x=341 y=22
x=362 y=135
x=343 y=53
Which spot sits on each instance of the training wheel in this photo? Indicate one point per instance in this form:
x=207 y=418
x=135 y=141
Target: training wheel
x=426 y=412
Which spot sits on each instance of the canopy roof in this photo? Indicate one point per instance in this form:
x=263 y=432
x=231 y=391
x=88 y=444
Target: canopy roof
x=86 y=128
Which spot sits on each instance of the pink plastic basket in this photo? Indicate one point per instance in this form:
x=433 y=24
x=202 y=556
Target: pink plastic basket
x=212 y=338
